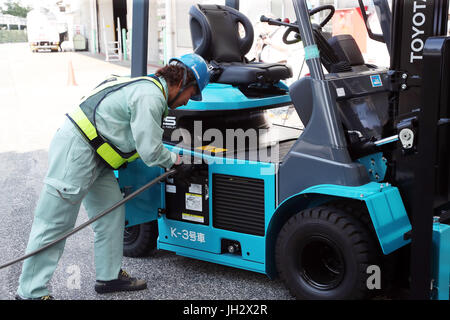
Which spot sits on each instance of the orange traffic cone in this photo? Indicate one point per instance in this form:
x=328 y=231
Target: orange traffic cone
x=71 y=78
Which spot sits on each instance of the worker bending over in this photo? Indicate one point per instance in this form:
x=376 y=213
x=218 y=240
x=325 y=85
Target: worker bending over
x=117 y=123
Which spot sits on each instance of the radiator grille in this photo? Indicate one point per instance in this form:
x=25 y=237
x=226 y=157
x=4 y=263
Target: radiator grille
x=238 y=204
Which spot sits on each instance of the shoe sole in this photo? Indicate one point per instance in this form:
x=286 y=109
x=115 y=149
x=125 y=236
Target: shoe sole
x=106 y=289
x=18 y=297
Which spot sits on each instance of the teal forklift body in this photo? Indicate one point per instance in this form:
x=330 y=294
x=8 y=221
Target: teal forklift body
x=204 y=242
x=385 y=206
x=440 y=273
x=143 y=208
x=219 y=96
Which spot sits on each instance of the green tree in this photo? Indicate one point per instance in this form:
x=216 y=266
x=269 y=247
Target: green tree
x=15 y=9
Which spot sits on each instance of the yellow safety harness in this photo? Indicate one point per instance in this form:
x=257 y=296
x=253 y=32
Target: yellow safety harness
x=83 y=117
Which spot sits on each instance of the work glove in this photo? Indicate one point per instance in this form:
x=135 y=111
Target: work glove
x=184 y=170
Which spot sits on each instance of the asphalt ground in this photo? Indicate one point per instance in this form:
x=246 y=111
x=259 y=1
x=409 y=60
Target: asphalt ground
x=35 y=93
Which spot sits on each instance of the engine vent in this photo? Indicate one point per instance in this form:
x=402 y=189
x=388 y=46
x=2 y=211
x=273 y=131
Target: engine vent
x=238 y=204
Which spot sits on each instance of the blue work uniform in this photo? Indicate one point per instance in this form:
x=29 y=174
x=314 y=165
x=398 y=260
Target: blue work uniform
x=130 y=118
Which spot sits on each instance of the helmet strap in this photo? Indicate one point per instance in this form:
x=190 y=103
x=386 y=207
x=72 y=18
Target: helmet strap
x=183 y=87
x=176 y=97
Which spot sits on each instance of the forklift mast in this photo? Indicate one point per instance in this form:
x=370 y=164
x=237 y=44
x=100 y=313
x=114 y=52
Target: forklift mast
x=413 y=23
x=419 y=64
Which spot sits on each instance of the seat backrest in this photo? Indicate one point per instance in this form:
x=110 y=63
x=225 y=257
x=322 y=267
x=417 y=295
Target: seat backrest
x=346 y=49
x=215 y=33
x=328 y=56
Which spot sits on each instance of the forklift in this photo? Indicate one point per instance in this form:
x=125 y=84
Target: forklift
x=364 y=185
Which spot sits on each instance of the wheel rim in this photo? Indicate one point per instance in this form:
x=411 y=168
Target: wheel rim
x=130 y=234
x=321 y=263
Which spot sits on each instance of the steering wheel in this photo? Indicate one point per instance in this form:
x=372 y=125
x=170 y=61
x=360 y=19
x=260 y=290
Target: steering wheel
x=288 y=32
x=311 y=13
x=323 y=8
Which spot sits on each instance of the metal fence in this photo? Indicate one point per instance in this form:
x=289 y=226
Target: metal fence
x=7 y=36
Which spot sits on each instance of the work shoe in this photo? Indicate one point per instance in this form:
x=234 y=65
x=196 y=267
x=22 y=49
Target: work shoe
x=47 y=297
x=123 y=283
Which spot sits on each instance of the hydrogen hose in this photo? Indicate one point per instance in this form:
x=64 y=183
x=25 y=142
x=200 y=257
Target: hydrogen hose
x=87 y=223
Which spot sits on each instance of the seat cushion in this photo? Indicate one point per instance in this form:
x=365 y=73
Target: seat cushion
x=246 y=73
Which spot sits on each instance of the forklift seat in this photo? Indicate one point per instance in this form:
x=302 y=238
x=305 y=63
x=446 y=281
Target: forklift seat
x=346 y=49
x=339 y=53
x=216 y=37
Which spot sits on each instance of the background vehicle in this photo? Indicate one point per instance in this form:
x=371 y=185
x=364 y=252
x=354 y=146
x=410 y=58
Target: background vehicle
x=43 y=30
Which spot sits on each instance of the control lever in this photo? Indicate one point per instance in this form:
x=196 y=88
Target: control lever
x=277 y=22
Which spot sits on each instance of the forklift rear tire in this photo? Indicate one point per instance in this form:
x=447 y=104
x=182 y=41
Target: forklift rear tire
x=324 y=253
x=140 y=240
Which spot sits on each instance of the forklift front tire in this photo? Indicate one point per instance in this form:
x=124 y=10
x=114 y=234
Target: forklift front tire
x=140 y=240
x=324 y=253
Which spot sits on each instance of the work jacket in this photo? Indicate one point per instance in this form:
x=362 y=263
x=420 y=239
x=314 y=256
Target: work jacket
x=121 y=120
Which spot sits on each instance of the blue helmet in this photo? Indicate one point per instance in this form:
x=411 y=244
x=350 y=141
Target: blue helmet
x=197 y=65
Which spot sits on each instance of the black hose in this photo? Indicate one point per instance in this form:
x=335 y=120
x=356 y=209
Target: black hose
x=84 y=225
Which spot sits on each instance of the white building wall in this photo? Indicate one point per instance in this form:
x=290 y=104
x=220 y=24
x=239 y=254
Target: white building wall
x=176 y=33
x=84 y=21
x=180 y=22
x=105 y=23
x=9 y=20
x=78 y=18
x=153 y=35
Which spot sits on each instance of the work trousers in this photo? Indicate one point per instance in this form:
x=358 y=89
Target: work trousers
x=75 y=176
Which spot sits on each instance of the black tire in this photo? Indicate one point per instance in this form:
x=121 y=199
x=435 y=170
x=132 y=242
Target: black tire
x=357 y=209
x=140 y=240
x=324 y=253
x=389 y=264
